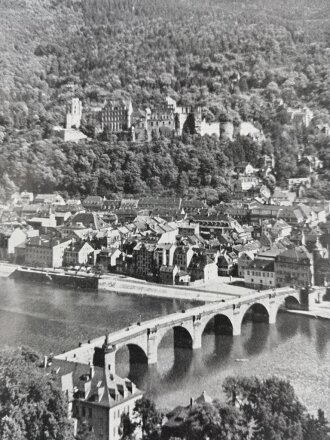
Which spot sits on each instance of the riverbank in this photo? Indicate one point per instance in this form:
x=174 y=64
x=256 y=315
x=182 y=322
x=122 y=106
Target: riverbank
x=218 y=290
x=7 y=269
x=318 y=311
x=125 y=285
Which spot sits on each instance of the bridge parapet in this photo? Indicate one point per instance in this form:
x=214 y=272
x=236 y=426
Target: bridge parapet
x=147 y=334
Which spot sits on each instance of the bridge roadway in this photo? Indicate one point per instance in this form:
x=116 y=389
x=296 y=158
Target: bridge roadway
x=143 y=338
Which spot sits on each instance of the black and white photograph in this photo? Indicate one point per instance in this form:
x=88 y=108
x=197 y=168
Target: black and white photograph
x=164 y=219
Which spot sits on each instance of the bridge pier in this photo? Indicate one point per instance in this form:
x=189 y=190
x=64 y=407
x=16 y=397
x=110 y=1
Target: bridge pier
x=197 y=340
x=273 y=313
x=237 y=324
x=152 y=347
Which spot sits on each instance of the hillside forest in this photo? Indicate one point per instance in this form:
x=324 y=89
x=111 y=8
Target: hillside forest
x=241 y=60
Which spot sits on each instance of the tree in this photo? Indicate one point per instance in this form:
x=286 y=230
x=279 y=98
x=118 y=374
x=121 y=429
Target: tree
x=215 y=421
x=148 y=419
x=127 y=427
x=316 y=428
x=32 y=407
x=271 y=404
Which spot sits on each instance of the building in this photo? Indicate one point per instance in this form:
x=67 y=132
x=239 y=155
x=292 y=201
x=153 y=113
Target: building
x=202 y=268
x=97 y=397
x=283 y=197
x=260 y=274
x=110 y=238
x=154 y=203
x=245 y=169
x=164 y=254
x=210 y=128
x=68 y=134
x=45 y=251
x=294 y=267
x=227 y=263
x=62 y=217
x=23 y=198
x=295 y=182
x=10 y=238
x=174 y=427
x=43 y=222
x=183 y=256
x=243 y=262
x=301 y=116
x=85 y=220
x=193 y=206
x=247 y=129
x=187 y=118
x=109 y=258
x=79 y=253
x=168 y=274
x=144 y=261
x=161 y=119
x=246 y=183
x=73 y=113
x=49 y=199
x=215 y=224
x=116 y=116
x=93 y=203
x=263 y=212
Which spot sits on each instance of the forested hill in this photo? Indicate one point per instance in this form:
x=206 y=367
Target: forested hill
x=235 y=58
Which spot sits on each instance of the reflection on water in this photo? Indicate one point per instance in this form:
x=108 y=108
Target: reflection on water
x=255 y=337
x=51 y=319
x=287 y=328
x=301 y=356
x=322 y=338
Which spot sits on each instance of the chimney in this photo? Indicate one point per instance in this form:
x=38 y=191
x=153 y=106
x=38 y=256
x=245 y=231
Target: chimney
x=91 y=369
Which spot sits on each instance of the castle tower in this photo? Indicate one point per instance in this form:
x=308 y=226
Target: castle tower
x=198 y=120
x=129 y=113
x=73 y=113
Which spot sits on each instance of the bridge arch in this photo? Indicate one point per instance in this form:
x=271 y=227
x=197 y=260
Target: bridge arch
x=136 y=353
x=182 y=337
x=290 y=301
x=221 y=324
x=256 y=312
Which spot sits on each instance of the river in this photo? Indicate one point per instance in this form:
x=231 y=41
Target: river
x=50 y=319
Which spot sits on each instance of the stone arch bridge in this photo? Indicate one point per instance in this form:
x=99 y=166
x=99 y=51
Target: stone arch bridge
x=143 y=338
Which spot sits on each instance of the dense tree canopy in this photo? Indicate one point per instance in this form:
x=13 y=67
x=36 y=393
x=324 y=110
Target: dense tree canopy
x=241 y=61
x=32 y=407
x=257 y=409
x=274 y=409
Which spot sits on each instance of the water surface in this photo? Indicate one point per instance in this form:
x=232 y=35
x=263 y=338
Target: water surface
x=50 y=319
